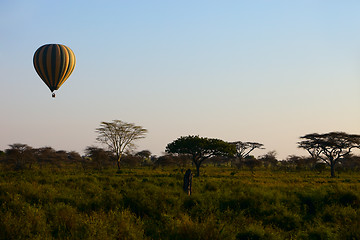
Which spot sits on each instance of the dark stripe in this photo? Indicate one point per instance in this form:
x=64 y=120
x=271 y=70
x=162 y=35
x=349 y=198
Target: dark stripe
x=60 y=64
x=42 y=66
x=45 y=66
x=39 y=65
x=36 y=62
x=65 y=64
x=53 y=65
x=48 y=66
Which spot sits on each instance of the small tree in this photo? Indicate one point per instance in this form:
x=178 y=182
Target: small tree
x=119 y=136
x=46 y=155
x=200 y=148
x=144 y=155
x=74 y=157
x=301 y=163
x=330 y=147
x=251 y=162
x=269 y=159
x=243 y=149
x=351 y=162
x=165 y=160
x=20 y=156
x=2 y=157
x=98 y=156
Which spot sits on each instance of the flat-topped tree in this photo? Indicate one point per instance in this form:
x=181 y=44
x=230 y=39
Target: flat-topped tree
x=119 y=136
x=330 y=147
x=243 y=149
x=20 y=156
x=200 y=148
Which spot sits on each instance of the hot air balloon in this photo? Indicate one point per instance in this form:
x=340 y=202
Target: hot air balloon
x=54 y=63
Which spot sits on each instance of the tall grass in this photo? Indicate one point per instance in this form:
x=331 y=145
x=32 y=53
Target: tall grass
x=149 y=204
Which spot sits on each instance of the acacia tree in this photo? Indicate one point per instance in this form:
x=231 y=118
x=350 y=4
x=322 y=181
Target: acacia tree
x=243 y=149
x=200 y=148
x=19 y=155
x=119 y=136
x=329 y=147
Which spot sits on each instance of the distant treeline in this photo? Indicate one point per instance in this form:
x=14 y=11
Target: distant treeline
x=21 y=156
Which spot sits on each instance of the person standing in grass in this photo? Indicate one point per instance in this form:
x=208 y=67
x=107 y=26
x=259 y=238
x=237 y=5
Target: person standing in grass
x=188 y=182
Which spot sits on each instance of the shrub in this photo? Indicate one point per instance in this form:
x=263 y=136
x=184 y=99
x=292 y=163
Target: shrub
x=185 y=228
x=318 y=233
x=254 y=232
x=19 y=220
x=210 y=187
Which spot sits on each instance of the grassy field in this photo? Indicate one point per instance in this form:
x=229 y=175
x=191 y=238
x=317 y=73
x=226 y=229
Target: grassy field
x=149 y=203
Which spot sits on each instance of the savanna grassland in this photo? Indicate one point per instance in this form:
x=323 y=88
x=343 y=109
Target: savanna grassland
x=146 y=203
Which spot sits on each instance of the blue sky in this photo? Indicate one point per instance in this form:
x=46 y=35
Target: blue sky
x=264 y=71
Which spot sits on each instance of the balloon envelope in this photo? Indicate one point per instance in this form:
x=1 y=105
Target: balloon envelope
x=54 y=63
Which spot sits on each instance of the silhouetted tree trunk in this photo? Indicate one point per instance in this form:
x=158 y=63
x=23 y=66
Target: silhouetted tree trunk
x=332 y=170
x=118 y=161
x=197 y=164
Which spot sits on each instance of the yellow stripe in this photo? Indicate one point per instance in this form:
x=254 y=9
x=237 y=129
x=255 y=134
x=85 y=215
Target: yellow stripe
x=70 y=65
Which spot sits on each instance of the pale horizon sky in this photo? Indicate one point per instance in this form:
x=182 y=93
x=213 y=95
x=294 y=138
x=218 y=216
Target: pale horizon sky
x=263 y=71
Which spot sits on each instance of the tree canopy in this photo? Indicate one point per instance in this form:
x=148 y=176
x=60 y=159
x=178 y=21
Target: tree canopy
x=200 y=148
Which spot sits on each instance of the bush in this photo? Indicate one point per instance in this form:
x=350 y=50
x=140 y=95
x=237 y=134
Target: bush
x=254 y=232
x=184 y=228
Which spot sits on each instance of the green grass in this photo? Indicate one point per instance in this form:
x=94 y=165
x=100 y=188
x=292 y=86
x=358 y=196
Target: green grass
x=149 y=204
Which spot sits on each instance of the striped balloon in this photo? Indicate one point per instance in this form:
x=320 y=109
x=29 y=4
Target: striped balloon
x=54 y=63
